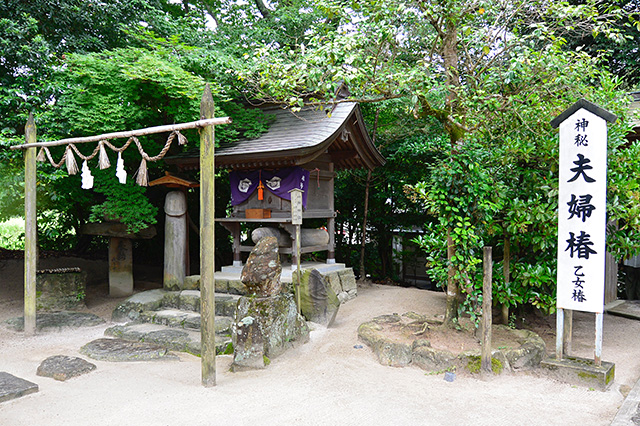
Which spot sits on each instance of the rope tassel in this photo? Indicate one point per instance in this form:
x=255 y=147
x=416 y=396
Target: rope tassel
x=103 y=158
x=181 y=139
x=70 y=161
x=142 y=177
x=41 y=156
x=121 y=174
x=87 y=179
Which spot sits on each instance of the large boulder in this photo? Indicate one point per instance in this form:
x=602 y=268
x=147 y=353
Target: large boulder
x=261 y=273
x=264 y=328
x=318 y=302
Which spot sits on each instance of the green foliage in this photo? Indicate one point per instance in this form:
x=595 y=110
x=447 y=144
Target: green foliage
x=124 y=203
x=12 y=234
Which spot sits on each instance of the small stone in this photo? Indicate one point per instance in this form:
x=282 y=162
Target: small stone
x=61 y=367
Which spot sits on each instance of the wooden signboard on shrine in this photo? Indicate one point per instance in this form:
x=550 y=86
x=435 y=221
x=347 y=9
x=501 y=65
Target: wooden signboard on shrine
x=582 y=196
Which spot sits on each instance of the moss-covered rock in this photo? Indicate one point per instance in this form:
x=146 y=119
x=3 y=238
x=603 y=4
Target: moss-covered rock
x=266 y=326
x=318 y=302
x=60 y=290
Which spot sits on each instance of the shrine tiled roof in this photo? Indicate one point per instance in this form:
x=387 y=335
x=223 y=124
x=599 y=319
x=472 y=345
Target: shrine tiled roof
x=295 y=138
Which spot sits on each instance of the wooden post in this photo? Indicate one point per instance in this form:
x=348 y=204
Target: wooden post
x=506 y=270
x=559 y=333
x=296 y=220
x=485 y=359
x=597 y=356
x=30 y=232
x=207 y=243
x=568 y=332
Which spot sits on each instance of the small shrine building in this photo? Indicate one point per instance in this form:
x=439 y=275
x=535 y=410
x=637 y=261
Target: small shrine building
x=302 y=150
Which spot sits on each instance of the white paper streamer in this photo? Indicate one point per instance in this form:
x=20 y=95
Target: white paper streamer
x=87 y=179
x=120 y=173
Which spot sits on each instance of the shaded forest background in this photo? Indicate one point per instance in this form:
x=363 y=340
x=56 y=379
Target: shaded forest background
x=457 y=96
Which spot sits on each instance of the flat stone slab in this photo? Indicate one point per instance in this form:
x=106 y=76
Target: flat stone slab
x=176 y=339
x=119 y=350
x=62 y=367
x=159 y=299
x=624 y=308
x=57 y=320
x=581 y=371
x=12 y=387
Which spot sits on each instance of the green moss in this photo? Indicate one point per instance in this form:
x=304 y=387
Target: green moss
x=475 y=363
x=266 y=360
x=228 y=350
x=588 y=376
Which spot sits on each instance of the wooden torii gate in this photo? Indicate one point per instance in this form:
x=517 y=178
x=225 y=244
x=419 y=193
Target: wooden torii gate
x=207 y=241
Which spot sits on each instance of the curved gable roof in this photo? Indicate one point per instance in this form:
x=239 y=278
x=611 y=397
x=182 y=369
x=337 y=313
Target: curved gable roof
x=295 y=139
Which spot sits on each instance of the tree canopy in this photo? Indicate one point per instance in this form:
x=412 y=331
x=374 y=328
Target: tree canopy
x=460 y=95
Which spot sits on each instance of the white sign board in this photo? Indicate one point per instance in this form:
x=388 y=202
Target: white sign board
x=582 y=212
x=296 y=206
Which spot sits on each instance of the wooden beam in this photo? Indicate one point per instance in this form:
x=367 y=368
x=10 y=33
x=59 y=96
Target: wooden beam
x=30 y=232
x=207 y=243
x=204 y=123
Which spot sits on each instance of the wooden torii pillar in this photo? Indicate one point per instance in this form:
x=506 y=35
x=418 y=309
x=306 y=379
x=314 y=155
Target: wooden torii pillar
x=207 y=241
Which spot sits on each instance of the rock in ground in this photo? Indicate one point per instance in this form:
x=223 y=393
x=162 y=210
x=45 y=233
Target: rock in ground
x=264 y=328
x=61 y=367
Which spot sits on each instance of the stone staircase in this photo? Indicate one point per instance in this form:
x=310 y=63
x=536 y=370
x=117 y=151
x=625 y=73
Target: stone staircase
x=171 y=319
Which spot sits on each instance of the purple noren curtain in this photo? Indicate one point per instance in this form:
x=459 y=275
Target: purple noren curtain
x=279 y=182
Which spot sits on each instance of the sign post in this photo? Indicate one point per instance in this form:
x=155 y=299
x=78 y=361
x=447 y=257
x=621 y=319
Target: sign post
x=582 y=197
x=296 y=219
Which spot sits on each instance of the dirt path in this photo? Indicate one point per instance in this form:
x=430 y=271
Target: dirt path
x=325 y=382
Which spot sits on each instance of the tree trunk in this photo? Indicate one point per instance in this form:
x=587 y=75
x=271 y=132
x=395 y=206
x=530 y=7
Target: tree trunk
x=451 y=313
x=366 y=204
x=506 y=269
x=363 y=243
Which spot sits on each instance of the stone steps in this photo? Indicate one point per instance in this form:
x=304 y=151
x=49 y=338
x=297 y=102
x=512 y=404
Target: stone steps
x=184 y=319
x=172 y=338
x=171 y=319
x=340 y=278
x=157 y=300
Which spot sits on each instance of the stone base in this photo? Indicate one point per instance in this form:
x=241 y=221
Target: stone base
x=120 y=267
x=264 y=328
x=60 y=289
x=581 y=371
